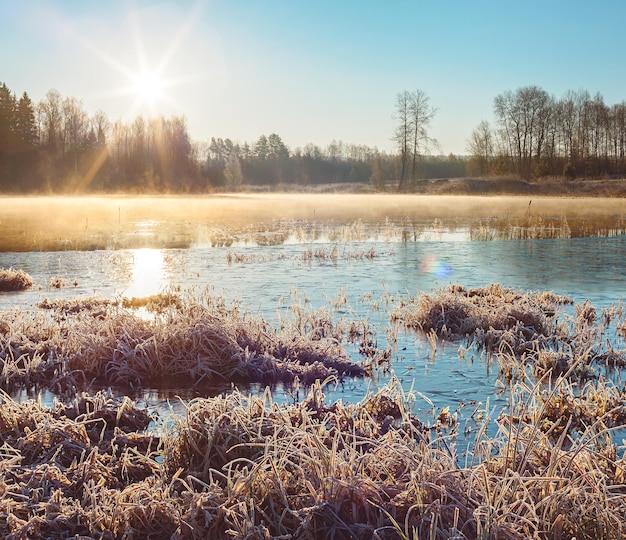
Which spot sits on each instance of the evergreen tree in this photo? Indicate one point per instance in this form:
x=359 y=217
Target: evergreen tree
x=25 y=124
x=8 y=141
x=277 y=148
x=261 y=147
x=8 y=138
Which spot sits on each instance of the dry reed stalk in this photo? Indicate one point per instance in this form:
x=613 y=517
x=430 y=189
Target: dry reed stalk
x=237 y=465
x=14 y=280
x=519 y=329
x=458 y=312
x=247 y=466
x=529 y=228
x=63 y=306
x=156 y=303
x=55 y=460
x=297 y=465
x=125 y=349
x=56 y=282
x=243 y=258
x=28 y=350
x=545 y=481
x=194 y=343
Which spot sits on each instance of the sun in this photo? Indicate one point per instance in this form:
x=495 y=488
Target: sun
x=148 y=88
x=151 y=83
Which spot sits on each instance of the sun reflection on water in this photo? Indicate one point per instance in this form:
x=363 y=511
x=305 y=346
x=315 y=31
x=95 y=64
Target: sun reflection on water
x=148 y=273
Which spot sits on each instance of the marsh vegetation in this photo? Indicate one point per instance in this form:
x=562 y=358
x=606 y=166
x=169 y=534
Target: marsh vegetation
x=248 y=466
x=96 y=223
x=14 y=280
x=375 y=378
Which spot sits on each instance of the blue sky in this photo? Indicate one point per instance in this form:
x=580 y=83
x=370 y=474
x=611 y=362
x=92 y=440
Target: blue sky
x=311 y=71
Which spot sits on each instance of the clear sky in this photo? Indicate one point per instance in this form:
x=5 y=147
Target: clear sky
x=310 y=70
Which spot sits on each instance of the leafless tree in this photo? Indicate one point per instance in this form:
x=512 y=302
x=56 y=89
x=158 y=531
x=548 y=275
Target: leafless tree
x=402 y=134
x=75 y=124
x=413 y=115
x=50 y=120
x=422 y=113
x=481 y=148
x=524 y=117
x=232 y=172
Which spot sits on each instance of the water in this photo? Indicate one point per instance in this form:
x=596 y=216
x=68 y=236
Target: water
x=270 y=278
x=583 y=268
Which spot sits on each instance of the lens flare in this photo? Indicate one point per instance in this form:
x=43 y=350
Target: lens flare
x=433 y=265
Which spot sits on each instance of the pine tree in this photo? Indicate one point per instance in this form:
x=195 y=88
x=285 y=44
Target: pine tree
x=25 y=125
x=7 y=121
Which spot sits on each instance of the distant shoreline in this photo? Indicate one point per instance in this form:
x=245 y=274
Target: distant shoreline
x=505 y=186
x=509 y=186
x=557 y=187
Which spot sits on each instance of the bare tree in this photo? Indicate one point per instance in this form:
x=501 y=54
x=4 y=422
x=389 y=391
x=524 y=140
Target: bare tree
x=481 y=148
x=413 y=114
x=232 y=172
x=377 y=177
x=422 y=113
x=403 y=132
x=74 y=127
x=524 y=117
x=102 y=126
x=50 y=120
x=618 y=134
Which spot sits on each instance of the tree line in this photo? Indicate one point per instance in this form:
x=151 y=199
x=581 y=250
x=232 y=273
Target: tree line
x=55 y=146
x=537 y=135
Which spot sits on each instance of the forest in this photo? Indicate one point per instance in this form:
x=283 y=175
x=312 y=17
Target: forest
x=537 y=136
x=55 y=146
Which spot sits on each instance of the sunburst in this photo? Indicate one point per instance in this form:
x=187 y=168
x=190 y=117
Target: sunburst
x=150 y=79
x=148 y=88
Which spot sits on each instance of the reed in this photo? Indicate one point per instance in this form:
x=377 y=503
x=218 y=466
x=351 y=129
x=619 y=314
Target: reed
x=233 y=257
x=56 y=282
x=194 y=343
x=459 y=312
x=28 y=350
x=248 y=467
x=529 y=334
x=57 y=462
x=14 y=280
x=525 y=228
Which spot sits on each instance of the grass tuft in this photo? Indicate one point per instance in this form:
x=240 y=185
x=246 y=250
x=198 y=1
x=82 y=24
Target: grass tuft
x=14 y=280
x=237 y=466
x=186 y=342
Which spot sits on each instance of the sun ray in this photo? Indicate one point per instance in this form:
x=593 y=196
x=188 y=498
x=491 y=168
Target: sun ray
x=148 y=84
x=176 y=43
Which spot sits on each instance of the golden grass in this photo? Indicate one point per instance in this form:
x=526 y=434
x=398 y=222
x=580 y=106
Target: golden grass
x=459 y=312
x=237 y=466
x=14 y=280
x=535 y=227
x=190 y=342
x=247 y=467
x=53 y=223
x=528 y=333
x=333 y=254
